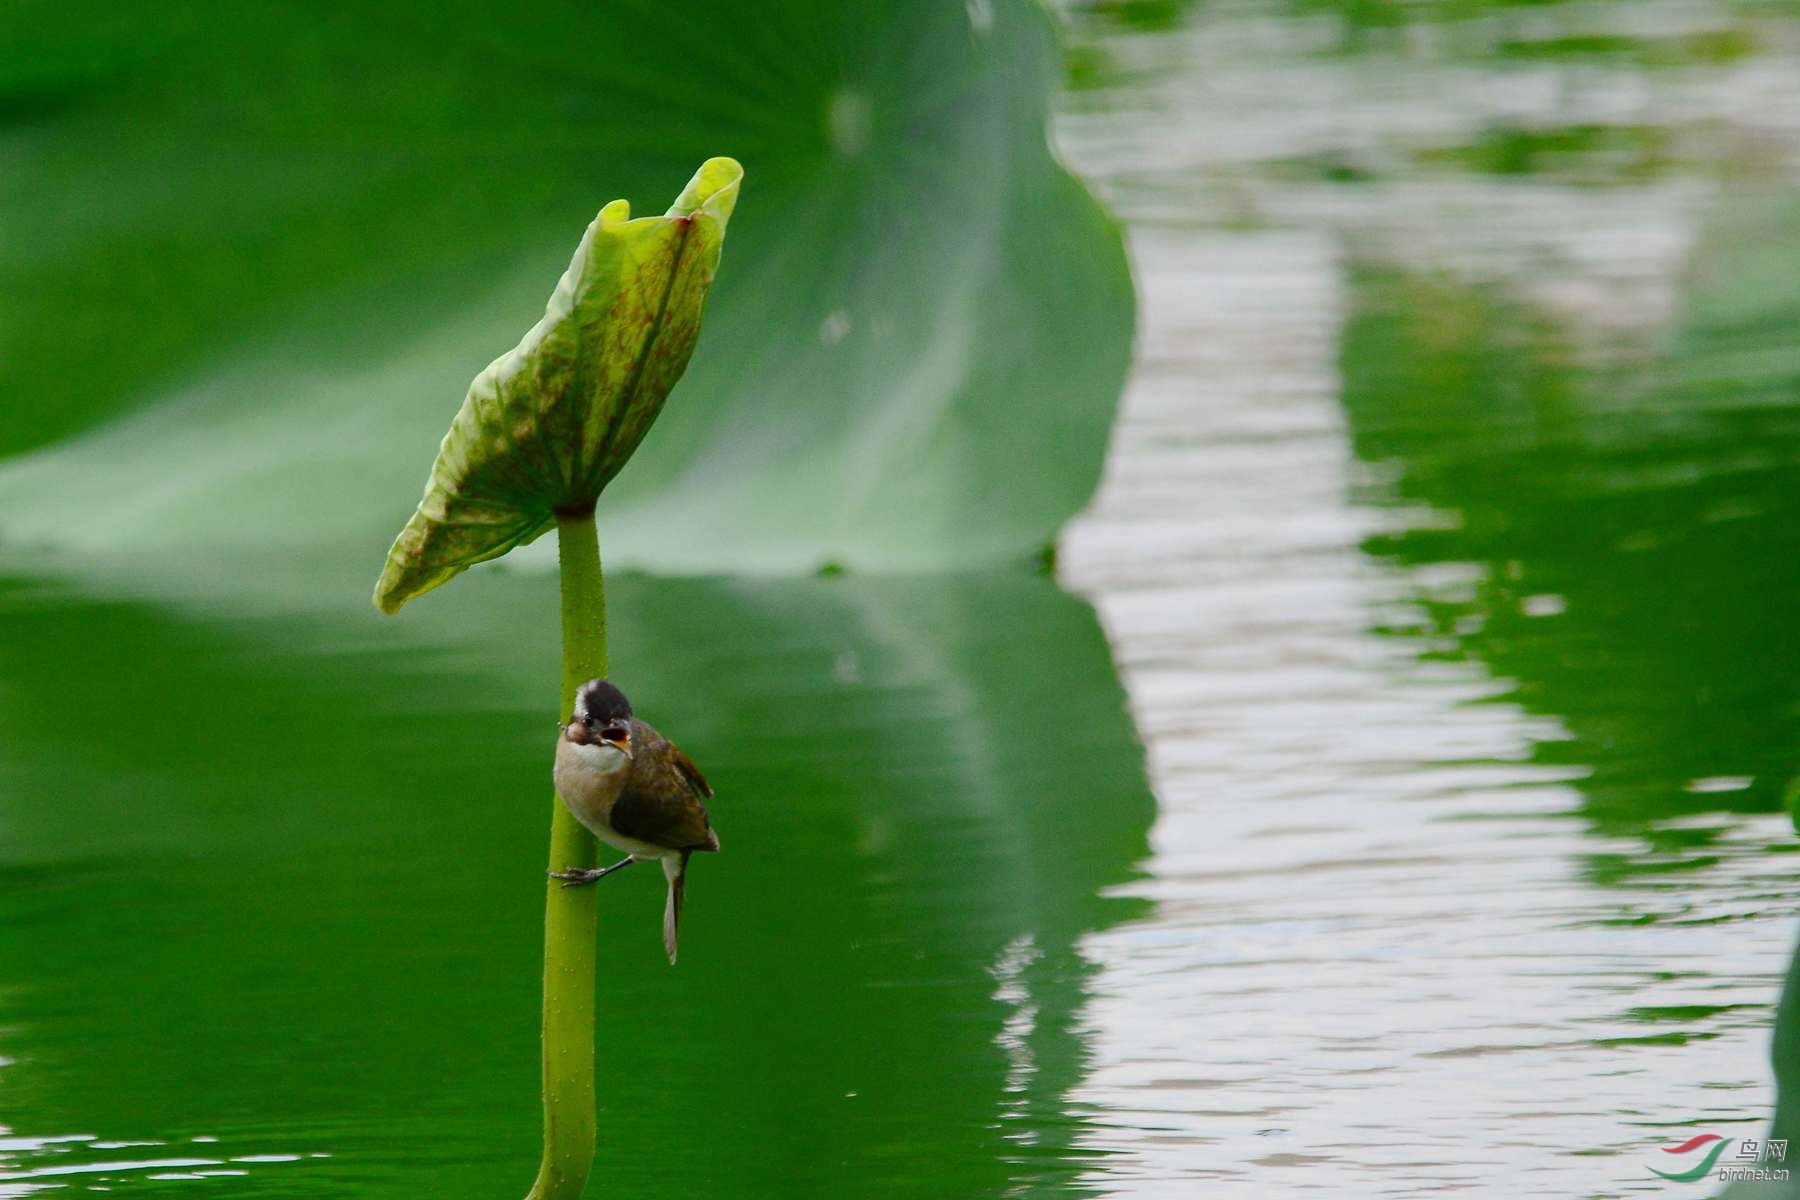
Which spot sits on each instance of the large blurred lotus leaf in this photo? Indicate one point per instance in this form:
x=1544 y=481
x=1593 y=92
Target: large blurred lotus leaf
x=547 y=425
x=251 y=257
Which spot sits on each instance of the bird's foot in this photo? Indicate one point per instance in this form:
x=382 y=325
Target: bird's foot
x=581 y=878
x=576 y=878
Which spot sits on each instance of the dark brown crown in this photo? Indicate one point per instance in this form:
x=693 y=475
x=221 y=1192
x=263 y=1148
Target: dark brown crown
x=602 y=701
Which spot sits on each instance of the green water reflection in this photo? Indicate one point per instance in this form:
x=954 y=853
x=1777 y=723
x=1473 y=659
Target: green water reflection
x=275 y=882
x=1620 y=544
x=1636 y=552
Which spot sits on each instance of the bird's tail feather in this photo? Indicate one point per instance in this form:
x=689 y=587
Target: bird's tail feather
x=675 y=870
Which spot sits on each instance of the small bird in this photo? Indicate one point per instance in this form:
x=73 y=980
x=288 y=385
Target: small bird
x=635 y=790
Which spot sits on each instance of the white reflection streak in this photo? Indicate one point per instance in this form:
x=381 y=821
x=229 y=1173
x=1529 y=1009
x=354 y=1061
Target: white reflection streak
x=17 y=1179
x=1014 y=1036
x=99 y=1168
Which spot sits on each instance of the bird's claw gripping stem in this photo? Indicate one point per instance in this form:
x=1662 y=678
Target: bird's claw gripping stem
x=581 y=878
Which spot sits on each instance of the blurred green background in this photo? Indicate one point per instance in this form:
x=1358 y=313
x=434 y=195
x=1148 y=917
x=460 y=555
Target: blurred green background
x=1445 y=553
x=288 y=902
x=309 y=228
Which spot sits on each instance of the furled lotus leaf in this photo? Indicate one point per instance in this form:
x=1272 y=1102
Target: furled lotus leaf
x=549 y=423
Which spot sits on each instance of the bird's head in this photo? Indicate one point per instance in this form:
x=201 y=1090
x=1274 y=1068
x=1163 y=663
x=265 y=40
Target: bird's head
x=602 y=719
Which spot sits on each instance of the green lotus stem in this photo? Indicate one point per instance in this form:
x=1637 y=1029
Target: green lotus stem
x=570 y=914
x=540 y=433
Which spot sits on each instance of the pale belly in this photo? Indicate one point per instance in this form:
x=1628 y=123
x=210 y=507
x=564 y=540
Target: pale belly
x=632 y=846
x=589 y=790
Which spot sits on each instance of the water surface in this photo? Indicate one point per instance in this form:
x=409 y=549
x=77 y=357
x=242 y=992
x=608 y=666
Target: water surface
x=1405 y=816
x=275 y=936
x=1448 y=551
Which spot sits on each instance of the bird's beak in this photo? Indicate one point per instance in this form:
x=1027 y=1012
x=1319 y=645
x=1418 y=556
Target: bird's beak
x=623 y=744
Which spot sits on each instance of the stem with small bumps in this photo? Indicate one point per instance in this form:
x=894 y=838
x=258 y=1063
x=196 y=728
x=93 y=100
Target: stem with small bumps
x=570 y=914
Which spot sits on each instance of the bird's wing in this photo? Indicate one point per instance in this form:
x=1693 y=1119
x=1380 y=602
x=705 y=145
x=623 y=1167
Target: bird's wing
x=686 y=766
x=661 y=802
